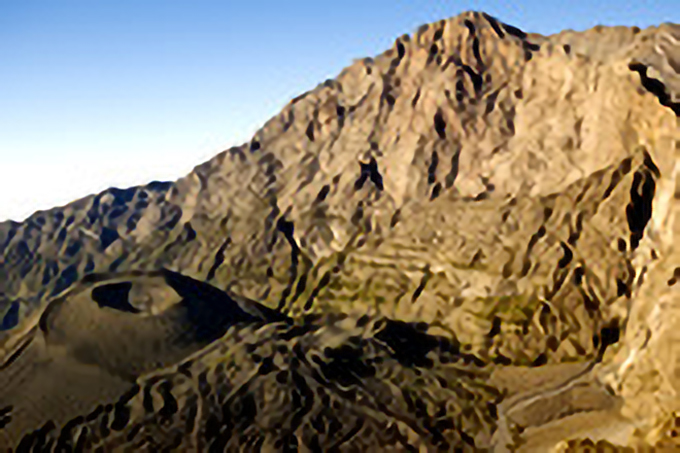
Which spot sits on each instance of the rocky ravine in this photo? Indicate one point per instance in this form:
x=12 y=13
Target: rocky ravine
x=514 y=194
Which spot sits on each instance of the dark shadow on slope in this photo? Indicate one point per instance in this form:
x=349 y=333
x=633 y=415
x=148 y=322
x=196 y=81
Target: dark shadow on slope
x=655 y=86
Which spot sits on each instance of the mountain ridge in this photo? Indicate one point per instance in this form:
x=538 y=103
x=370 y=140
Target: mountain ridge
x=511 y=190
x=202 y=172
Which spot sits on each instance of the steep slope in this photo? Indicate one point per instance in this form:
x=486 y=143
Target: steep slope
x=468 y=110
x=514 y=191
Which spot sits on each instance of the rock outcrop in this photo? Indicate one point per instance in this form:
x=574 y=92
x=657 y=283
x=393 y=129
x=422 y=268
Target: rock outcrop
x=510 y=194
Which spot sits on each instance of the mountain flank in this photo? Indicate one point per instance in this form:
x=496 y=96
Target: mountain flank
x=409 y=244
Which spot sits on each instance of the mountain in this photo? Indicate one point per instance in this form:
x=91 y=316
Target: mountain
x=475 y=190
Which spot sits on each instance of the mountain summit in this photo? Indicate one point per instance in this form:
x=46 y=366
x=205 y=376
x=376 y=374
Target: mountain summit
x=466 y=241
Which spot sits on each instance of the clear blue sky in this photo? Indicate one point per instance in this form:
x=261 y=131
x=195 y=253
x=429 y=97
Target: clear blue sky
x=106 y=93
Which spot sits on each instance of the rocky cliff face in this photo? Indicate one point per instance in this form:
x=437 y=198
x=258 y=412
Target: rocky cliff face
x=514 y=192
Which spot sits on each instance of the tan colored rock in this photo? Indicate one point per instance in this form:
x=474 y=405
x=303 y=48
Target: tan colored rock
x=515 y=192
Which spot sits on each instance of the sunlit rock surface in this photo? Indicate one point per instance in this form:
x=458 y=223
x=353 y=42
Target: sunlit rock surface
x=466 y=241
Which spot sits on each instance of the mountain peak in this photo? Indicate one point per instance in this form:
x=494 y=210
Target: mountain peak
x=475 y=188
